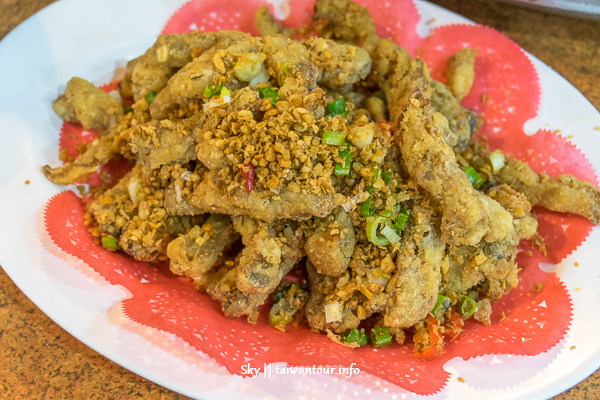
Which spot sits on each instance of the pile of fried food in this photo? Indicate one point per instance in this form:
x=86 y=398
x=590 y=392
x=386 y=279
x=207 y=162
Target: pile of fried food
x=323 y=149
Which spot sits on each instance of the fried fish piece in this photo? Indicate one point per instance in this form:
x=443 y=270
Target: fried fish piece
x=330 y=247
x=346 y=21
x=171 y=52
x=194 y=254
x=460 y=72
x=564 y=193
x=84 y=103
x=414 y=286
x=270 y=251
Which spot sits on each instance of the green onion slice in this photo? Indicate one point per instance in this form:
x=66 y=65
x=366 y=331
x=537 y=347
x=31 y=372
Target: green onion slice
x=337 y=107
x=344 y=169
x=278 y=320
x=269 y=92
x=333 y=137
x=355 y=336
x=284 y=71
x=150 y=96
x=366 y=210
x=287 y=285
x=376 y=175
x=442 y=304
x=467 y=306
x=386 y=177
x=373 y=224
x=380 y=337
x=109 y=242
x=474 y=177
x=390 y=234
x=211 y=91
x=401 y=220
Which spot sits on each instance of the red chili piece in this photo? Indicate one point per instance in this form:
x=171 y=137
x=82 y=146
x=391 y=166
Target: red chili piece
x=387 y=127
x=248 y=176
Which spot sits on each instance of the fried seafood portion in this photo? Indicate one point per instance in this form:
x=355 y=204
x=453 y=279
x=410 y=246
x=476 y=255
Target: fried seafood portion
x=84 y=103
x=330 y=247
x=461 y=72
x=468 y=216
x=346 y=21
x=195 y=254
x=563 y=193
x=133 y=213
x=267 y=25
x=270 y=251
x=322 y=152
x=413 y=289
x=152 y=70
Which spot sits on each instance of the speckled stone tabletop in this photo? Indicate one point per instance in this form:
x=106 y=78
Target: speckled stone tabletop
x=39 y=360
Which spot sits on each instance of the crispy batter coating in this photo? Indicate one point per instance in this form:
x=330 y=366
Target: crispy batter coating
x=330 y=247
x=563 y=193
x=413 y=288
x=84 y=103
x=195 y=254
x=460 y=72
x=346 y=21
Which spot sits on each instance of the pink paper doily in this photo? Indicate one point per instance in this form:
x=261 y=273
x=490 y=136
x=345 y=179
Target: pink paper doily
x=535 y=321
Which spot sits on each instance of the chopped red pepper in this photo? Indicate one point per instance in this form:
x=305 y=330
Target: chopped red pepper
x=436 y=342
x=387 y=128
x=247 y=171
x=453 y=324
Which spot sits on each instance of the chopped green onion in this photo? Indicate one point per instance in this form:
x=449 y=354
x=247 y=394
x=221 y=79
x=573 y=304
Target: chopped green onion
x=388 y=214
x=373 y=224
x=337 y=107
x=474 y=177
x=467 y=306
x=284 y=71
x=365 y=207
x=109 y=242
x=376 y=175
x=340 y=169
x=225 y=92
x=287 y=285
x=380 y=336
x=278 y=320
x=355 y=336
x=401 y=220
x=497 y=160
x=386 y=177
x=150 y=96
x=127 y=108
x=211 y=91
x=390 y=234
x=332 y=137
x=268 y=92
x=442 y=304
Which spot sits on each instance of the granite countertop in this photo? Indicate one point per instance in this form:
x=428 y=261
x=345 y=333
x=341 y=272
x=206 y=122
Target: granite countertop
x=40 y=360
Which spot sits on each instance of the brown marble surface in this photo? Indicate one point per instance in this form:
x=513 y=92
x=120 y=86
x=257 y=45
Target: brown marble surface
x=39 y=360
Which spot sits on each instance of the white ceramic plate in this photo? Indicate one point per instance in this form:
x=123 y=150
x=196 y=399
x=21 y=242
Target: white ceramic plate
x=91 y=39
